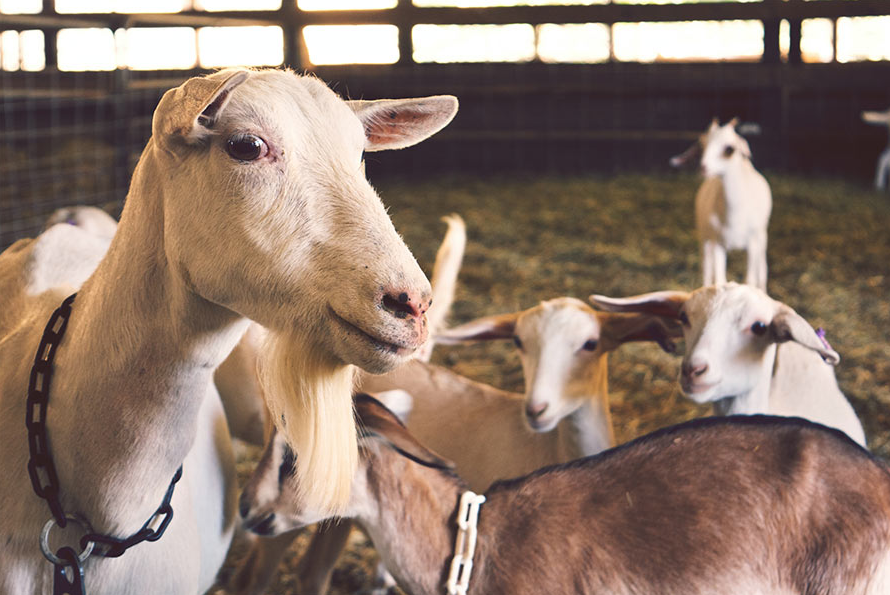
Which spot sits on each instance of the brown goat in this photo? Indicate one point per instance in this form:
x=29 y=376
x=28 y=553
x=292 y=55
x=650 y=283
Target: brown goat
x=753 y=505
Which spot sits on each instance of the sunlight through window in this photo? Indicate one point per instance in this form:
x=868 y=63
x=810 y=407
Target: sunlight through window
x=687 y=41
x=345 y=4
x=490 y=3
x=125 y=6
x=352 y=44
x=157 y=48
x=218 y=5
x=86 y=49
x=21 y=6
x=473 y=43
x=817 y=40
x=33 y=56
x=9 y=50
x=240 y=46
x=587 y=43
x=863 y=38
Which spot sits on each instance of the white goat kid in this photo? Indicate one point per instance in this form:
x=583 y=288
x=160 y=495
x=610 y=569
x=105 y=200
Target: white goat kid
x=248 y=201
x=732 y=205
x=748 y=353
x=882 y=171
x=755 y=505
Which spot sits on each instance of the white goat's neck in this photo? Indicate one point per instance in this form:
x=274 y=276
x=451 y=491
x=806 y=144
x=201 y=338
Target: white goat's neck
x=414 y=524
x=123 y=424
x=736 y=184
x=755 y=400
x=588 y=430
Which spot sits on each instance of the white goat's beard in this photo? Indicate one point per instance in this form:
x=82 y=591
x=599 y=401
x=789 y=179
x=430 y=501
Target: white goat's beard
x=309 y=396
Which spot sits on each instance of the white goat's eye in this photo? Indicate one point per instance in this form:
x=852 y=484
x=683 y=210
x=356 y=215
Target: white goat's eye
x=589 y=345
x=728 y=151
x=517 y=342
x=758 y=328
x=246 y=147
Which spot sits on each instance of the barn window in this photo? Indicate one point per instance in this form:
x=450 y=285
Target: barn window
x=138 y=48
x=473 y=43
x=22 y=50
x=86 y=49
x=687 y=41
x=96 y=6
x=863 y=38
x=240 y=46
x=21 y=6
x=352 y=44
x=574 y=43
x=345 y=4
x=217 y=5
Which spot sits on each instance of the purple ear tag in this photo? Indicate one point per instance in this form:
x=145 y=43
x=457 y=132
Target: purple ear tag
x=820 y=332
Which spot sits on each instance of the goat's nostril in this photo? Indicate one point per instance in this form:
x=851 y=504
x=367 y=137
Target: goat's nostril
x=401 y=306
x=263 y=526
x=535 y=411
x=696 y=370
x=243 y=507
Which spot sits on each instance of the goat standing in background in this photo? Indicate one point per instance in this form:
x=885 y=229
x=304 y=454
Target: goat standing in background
x=751 y=505
x=732 y=205
x=882 y=172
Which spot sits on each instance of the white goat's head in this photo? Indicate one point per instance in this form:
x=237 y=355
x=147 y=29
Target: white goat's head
x=272 y=503
x=91 y=219
x=731 y=332
x=721 y=146
x=563 y=345
x=267 y=210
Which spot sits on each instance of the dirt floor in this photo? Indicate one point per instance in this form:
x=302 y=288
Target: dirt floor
x=535 y=239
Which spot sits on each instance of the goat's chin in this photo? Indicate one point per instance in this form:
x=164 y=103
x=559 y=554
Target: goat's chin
x=376 y=351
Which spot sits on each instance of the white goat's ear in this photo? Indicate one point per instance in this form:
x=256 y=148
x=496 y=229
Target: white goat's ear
x=499 y=326
x=619 y=328
x=400 y=123
x=657 y=303
x=873 y=117
x=788 y=325
x=376 y=420
x=189 y=111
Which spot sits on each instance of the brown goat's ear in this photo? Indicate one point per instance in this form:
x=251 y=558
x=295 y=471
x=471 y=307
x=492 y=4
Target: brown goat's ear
x=657 y=303
x=376 y=420
x=620 y=328
x=499 y=326
x=400 y=123
x=189 y=111
x=788 y=325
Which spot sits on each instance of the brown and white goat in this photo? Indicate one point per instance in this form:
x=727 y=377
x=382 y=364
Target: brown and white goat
x=755 y=505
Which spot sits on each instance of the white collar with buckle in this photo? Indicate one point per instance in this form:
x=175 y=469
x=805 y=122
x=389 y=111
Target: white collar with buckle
x=465 y=544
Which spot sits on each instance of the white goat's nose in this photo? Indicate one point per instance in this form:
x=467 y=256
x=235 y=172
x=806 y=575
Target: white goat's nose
x=693 y=369
x=535 y=410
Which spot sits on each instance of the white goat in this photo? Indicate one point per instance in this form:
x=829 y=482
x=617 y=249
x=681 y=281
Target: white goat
x=249 y=201
x=732 y=205
x=91 y=219
x=882 y=172
x=748 y=353
x=491 y=434
x=755 y=505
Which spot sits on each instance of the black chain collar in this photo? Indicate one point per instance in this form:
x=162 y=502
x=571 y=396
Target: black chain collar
x=45 y=481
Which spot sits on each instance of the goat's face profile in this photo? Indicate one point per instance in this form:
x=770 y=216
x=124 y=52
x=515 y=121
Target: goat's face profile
x=273 y=502
x=264 y=173
x=731 y=332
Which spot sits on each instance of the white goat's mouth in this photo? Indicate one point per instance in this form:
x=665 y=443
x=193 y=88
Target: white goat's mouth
x=697 y=389
x=397 y=349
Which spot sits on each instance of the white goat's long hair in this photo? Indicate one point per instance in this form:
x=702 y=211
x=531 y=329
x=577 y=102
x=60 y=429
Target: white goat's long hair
x=309 y=396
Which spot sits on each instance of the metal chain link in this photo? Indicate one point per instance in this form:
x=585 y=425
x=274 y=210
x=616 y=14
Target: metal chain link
x=68 y=572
